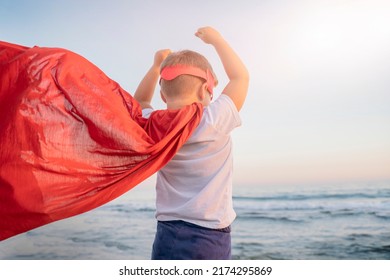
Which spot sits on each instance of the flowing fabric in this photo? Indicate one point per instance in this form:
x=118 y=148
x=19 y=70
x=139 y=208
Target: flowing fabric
x=71 y=139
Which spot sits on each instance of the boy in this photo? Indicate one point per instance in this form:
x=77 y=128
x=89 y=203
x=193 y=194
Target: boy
x=194 y=190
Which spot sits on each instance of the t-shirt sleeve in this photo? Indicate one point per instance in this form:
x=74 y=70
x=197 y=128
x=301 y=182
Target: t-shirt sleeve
x=147 y=112
x=223 y=114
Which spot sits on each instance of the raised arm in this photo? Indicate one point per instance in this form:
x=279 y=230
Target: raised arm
x=236 y=71
x=146 y=87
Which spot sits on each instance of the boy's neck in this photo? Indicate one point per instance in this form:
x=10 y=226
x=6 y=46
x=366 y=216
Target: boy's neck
x=180 y=103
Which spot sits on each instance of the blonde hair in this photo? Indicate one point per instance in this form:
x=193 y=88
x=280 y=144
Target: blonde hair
x=184 y=84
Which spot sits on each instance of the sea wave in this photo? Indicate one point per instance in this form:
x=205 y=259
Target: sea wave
x=381 y=194
x=274 y=218
x=371 y=202
x=331 y=207
x=129 y=208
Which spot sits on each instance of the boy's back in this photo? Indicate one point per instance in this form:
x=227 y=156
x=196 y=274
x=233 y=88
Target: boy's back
x=196 y=185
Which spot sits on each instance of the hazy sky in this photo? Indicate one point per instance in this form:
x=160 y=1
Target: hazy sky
x=318 y=108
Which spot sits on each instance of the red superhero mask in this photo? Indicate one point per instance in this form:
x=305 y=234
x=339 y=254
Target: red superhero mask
x=171 y=72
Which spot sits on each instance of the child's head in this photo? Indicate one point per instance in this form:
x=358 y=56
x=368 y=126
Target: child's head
x=188 y=86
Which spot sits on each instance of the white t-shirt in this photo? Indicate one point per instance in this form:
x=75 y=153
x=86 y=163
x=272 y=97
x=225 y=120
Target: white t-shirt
x=196 y=185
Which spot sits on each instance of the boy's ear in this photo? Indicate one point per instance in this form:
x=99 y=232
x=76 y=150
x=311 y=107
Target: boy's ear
x=203 y=91
x=163 y=97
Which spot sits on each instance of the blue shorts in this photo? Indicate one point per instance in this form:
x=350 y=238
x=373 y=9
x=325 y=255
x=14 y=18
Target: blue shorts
x=178 y=240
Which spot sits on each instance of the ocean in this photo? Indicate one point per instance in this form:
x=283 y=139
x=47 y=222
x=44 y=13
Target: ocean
x=322 y=222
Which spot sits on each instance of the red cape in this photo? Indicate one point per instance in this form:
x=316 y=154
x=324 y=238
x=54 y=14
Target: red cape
x=71 y=139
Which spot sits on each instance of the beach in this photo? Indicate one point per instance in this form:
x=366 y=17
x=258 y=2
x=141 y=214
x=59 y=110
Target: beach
x=309 y=222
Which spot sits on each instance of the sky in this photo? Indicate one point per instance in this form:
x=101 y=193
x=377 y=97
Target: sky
x=318 y=106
